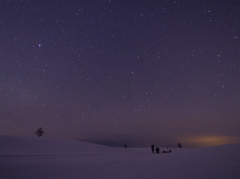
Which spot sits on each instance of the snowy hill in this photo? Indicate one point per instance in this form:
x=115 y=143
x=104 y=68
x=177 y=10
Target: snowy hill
x=11 y=145
x=49 y=158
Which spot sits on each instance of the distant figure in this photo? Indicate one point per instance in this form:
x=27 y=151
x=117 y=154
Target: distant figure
x=157 y=150
x=152 y=146
x=169 y=151
x=125 y=145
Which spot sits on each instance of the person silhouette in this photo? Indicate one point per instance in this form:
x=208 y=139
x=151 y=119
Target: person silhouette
x=152 y=146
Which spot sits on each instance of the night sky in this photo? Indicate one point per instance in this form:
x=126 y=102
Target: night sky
x=111 y=71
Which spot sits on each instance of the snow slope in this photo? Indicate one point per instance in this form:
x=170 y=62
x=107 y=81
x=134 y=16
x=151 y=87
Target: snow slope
x=48 y=158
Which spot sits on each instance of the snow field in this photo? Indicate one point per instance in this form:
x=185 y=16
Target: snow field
x=49 y=158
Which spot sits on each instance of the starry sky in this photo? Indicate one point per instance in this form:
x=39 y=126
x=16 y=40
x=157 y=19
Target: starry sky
x=111 y=71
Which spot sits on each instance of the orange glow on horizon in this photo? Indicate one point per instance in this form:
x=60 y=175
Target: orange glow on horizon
x=208 y=141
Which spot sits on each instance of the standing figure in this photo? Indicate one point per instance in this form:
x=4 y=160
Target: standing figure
x=157 y=150
x=152 y=146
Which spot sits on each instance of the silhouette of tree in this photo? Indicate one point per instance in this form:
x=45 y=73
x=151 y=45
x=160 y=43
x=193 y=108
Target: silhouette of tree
x=179 y=145
x=39 y=132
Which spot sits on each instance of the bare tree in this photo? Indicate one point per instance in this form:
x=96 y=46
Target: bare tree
x=39 y=132
x=179 y=145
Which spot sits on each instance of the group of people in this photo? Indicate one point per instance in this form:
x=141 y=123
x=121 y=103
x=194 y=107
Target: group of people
x=158 y=149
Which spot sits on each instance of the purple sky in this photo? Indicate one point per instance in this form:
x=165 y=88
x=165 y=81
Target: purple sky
x=115 y=71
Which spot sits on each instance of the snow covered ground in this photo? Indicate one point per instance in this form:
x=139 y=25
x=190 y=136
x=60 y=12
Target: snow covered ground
x=49 y=158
